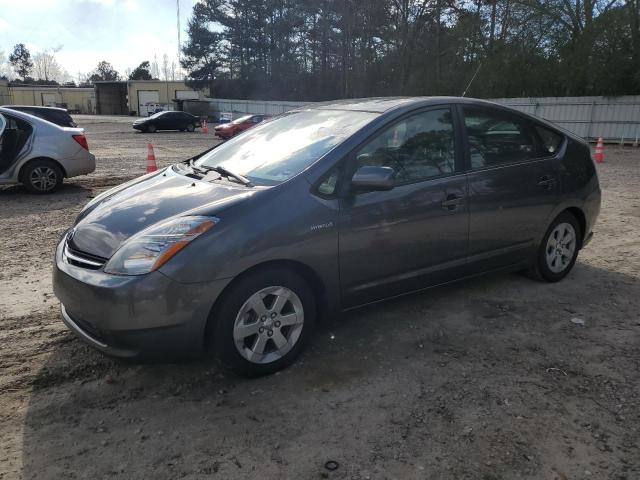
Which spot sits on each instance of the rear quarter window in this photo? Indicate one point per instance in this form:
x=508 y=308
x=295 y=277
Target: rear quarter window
x=550 y=141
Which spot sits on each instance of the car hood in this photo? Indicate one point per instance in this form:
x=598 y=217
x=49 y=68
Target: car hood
x=112 y=218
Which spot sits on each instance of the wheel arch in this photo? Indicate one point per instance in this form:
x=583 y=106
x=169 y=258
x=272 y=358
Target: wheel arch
x=582 y=221
x=48 y=159
x=314 y=280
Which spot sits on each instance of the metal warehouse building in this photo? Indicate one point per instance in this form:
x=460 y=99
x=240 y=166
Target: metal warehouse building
x=132 y=97
x=141 y=97
x=80 y=100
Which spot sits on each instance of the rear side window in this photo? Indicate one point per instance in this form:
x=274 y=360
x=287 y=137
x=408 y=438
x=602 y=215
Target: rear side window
x=497 y=137
x=550 y=141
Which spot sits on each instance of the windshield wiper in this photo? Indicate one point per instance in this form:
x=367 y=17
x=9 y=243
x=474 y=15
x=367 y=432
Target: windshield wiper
x=223 y=171
x=204 y=169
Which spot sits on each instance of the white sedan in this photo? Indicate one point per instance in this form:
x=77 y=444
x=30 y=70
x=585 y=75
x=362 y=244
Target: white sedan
x=40 y=154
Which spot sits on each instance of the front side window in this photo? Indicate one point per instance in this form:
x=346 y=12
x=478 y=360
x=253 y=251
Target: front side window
x=417 y=148
x=497 y=137
x=274 y=151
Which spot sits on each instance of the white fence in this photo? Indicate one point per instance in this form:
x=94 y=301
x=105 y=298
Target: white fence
x=616 y=119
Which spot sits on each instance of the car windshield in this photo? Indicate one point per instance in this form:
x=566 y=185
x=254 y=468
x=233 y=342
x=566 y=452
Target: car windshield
x=242 y=119
x=275 y=151
x=156 y=115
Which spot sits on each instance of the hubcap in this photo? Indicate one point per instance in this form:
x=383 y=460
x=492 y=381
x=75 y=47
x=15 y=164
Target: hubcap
x=268 y=325
x=43 y=178
x=561 y=246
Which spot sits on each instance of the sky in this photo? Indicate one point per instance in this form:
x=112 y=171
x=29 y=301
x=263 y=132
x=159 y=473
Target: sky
x=122 y=32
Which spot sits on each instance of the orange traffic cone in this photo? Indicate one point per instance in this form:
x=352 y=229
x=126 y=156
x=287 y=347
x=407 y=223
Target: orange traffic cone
x=205 y=127
x=599 y=155
x=151 y=159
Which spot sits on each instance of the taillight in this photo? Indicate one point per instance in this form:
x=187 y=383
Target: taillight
x=82 y=140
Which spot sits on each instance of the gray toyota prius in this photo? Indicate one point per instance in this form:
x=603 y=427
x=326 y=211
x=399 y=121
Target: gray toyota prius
x=328 y=207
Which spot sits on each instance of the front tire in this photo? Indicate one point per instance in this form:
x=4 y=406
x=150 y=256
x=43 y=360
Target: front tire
x=264 y=322
x=151 y=128
x=42 y=176
x=558 y=250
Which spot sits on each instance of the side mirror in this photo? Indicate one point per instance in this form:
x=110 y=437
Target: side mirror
x=373 y=178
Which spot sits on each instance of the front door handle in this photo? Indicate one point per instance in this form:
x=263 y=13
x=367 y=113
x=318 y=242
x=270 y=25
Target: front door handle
x=546 y=181
x=452 y=202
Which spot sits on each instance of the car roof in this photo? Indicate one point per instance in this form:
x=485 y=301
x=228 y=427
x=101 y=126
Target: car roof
x=35 y=107
x=385 y=104
x=28 y=117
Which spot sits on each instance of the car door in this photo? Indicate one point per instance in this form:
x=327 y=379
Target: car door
x=415 y=234
x=14 y=141
x=3 y=124
x=513 y=186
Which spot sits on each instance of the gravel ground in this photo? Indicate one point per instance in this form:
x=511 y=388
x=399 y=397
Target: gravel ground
x=486 y=379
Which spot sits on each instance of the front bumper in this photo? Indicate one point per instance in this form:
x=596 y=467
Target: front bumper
x=148 y=316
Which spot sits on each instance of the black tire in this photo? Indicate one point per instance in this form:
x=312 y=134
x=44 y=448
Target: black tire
x=541 y=269
x=221 y=334
x=42 y=176
x=190 y=127
x=151 y=128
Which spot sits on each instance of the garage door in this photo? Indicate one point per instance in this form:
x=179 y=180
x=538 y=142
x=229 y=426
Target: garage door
x=146 y=97
x=186 y=95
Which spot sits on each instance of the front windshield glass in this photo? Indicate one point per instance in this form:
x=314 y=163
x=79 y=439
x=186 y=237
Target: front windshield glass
x=156 y=115
x=276 y=150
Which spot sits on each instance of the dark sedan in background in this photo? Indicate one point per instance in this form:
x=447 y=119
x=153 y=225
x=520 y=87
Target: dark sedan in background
x=182 y=121
x=239 y=125
x=323 y=209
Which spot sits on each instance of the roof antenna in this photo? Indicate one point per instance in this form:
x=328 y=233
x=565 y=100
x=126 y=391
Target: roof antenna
x=472 y=79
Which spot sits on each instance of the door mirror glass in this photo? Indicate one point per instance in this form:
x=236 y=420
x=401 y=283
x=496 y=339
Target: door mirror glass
x=370 y=177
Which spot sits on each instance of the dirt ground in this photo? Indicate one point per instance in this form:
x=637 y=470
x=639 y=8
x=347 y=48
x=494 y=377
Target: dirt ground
x=487 y=379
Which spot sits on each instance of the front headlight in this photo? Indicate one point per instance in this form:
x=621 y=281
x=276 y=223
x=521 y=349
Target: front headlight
x=151 y=248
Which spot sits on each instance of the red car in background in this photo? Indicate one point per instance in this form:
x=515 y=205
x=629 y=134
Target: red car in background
x=241 y=124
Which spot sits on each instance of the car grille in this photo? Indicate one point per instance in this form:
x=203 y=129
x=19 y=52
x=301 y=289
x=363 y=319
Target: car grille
x=82 y=259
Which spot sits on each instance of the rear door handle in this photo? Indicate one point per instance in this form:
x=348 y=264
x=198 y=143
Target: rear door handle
x=546 y=181
x=452 y=202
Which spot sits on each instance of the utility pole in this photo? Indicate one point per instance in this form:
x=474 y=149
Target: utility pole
x=178 y=21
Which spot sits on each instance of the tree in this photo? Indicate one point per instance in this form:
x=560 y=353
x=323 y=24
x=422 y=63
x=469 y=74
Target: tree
x=47 y=68
x=20 y=59
x=155 y=70
x=104 y=72
x=165 y=67
x=6 y=72
x=204 y=51
x=141 y=72
x=326 y=49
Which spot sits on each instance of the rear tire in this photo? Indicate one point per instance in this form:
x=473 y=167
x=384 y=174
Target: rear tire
x=558 y=251
x=264 y=322
x=42 y=176
x=190 y=127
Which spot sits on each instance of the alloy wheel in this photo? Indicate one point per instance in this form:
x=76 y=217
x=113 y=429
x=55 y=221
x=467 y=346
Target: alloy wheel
x=561 y=247
x=43 y=178
x=268 y=324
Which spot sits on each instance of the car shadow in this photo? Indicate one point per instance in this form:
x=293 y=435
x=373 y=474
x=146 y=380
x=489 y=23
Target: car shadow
x=491 y=376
